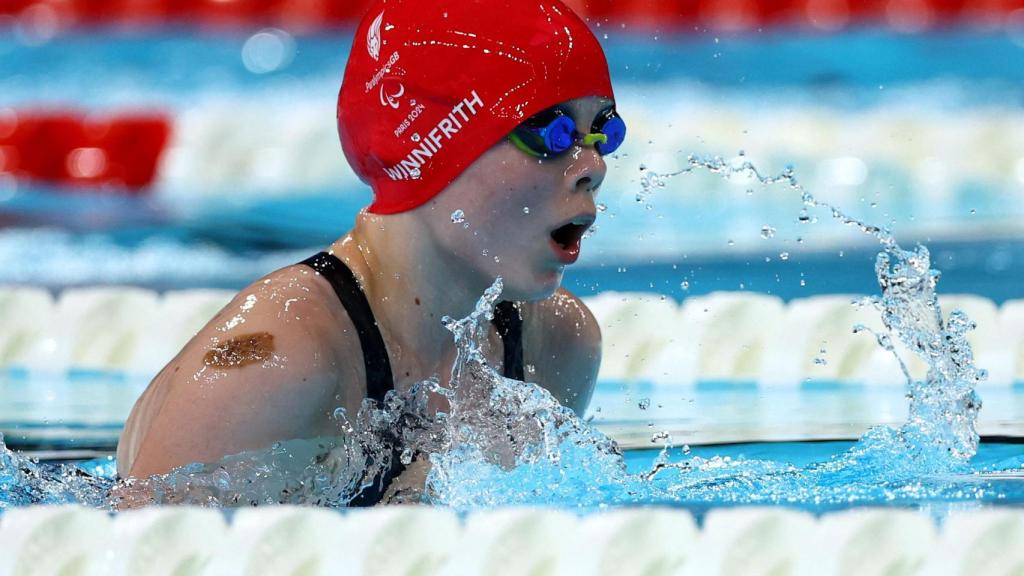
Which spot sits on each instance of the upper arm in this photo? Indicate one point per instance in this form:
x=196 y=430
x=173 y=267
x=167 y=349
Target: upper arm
x=264 y=370
x=562 y=339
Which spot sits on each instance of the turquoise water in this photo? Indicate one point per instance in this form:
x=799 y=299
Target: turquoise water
x=980 y=486
x=1007 y=490
x=991 y=456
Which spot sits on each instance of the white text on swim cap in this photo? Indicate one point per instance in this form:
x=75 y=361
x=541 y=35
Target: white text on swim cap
x=447 y=128
x=417 y=109
x=372 y=83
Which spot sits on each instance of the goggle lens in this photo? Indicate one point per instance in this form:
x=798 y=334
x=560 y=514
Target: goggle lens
x=614 y=129
x=552 y=133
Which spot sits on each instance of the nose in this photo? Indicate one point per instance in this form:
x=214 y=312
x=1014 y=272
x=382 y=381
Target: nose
x=587 y=170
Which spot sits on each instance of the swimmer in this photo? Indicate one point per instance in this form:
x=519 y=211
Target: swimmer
x=481 y=128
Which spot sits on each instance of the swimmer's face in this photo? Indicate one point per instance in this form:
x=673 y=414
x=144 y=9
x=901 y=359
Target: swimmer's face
x=525 y=214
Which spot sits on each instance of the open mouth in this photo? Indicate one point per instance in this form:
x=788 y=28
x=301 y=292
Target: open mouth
x=565 y=240
x=568 y=235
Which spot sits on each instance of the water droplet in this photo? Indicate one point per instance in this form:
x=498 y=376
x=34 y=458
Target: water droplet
x=644 y=403
x=784 y=255
x=767 y=231
x=526 y=209
x=601 y=207
x=684 y=285
x=458 y=217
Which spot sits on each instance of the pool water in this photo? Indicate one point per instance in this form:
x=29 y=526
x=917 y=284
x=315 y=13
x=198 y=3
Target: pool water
x=987 y=469
x=1007 y=489
x=991 y=455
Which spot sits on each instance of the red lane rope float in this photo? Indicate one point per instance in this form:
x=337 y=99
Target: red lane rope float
x=119 y=152
x=681 y=15
x=299 y=14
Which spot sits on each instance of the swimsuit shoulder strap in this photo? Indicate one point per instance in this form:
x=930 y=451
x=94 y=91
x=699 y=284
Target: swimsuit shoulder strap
x=507 y=320
x=379 y=378
x=509 y=323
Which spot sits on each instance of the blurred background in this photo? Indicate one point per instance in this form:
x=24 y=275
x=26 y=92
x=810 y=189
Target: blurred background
x=157 y=155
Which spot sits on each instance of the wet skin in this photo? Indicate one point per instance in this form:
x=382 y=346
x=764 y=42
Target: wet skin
x=277 y=361
x=241 y=351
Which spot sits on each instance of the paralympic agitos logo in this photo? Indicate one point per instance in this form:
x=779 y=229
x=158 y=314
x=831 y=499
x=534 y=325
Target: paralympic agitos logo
x=391 y=91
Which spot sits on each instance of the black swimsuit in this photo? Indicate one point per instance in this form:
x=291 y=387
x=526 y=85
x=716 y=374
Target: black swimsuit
x=379 y=379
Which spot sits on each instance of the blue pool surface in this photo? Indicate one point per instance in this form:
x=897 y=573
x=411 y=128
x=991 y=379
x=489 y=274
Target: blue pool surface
x=136 y=63
x=1000 y=489
x=1006 y=489
x=992 y=455
x=805 y=453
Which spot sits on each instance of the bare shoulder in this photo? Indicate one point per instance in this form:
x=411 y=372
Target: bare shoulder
x=269 y=366
x=563 y=320
x=293 y=310
x=562 y=339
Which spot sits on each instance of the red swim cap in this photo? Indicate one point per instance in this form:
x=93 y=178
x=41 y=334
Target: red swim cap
x=431 y=86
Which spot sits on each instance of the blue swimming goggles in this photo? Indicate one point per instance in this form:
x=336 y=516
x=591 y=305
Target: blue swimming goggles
x=553 y=132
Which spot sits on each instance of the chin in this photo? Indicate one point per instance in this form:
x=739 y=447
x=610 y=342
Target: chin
x=540 y=287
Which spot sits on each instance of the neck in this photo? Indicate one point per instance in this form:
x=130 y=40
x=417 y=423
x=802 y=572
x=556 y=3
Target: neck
x=411 y=284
